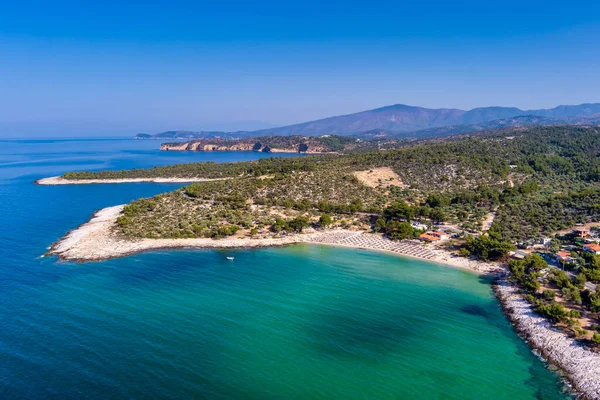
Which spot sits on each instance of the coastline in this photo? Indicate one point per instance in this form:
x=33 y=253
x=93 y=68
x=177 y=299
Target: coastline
x=95 y=241
x=59 y=180
x=580 y=364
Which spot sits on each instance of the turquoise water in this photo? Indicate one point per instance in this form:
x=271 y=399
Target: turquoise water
x=302 y=322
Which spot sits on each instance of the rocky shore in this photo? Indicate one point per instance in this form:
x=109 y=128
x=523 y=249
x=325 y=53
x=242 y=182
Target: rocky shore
x=580 y=364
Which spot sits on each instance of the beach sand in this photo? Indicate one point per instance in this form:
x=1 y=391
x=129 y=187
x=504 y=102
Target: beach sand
x=96 y=240
x=59 y=180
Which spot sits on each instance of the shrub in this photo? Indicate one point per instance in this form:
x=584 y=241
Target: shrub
x=549 y=294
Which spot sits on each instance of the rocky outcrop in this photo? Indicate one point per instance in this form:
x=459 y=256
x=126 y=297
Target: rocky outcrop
x=267 y=144
x=581 y=364
x=201 y=146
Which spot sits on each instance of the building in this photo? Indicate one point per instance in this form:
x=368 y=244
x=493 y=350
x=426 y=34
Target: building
x=418 y=225
x=519 y=254
x=545 y=241
x=433 y=236
x=593 y=248
x=582 y=233
x=564 y=257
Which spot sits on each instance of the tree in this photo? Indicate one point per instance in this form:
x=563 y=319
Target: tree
x=554 y=246
x=298 y=223
x=379 y=225
x=437 y=215
x=487 y=247
x=596 y=338
x=535 y=262
x=325 y=220
x=278 y=226
x=399 y=210
x=437 y=200
x=464 y=252
x=402 y=231
x=571 y=294
x=580 y=280
x=555 y=311
x=593 y=274
x=462 y=215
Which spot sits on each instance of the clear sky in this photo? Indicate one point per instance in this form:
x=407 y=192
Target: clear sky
x=117 y=68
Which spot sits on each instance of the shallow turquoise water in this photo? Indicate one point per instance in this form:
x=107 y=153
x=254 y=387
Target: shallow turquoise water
x=302 y=322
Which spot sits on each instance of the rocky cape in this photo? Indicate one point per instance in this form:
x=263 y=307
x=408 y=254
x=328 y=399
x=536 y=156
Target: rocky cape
x=268 y=144
x=580 y=364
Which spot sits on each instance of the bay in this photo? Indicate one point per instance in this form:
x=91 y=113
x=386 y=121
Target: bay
x=301 y=322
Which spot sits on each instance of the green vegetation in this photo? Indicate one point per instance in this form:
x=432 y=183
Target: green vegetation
x=537 y=181
x=527 y=271
x=557 y=296
x=487 y=247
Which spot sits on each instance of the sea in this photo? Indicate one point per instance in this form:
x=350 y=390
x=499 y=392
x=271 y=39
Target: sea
x=298 y=322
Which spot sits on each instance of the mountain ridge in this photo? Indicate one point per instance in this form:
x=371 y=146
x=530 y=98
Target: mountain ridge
x=403 y=120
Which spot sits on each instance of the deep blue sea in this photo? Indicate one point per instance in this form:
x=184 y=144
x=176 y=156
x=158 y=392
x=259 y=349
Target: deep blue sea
x=301 y=322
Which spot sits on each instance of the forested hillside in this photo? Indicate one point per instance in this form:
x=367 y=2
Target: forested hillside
x=537 y=181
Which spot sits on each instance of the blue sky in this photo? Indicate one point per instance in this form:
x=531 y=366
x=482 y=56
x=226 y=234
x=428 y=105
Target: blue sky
x=109 y=68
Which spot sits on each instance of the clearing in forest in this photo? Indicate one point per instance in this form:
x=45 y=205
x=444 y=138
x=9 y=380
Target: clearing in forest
x=379 y=177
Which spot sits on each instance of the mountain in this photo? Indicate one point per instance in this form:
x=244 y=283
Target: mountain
x=407 y=121
x=515 y=122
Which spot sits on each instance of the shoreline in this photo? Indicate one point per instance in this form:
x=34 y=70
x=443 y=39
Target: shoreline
x=95 y=240
x=59 y=180
x=580 y=364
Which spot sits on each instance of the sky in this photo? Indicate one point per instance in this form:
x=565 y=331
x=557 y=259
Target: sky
x=76 y=68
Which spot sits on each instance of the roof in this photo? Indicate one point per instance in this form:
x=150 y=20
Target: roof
x=428 y=236
x=519 y=254
x=592 y=246
x=563 y=254
x=437 y=233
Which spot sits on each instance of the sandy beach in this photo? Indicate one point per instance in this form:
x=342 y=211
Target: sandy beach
x=95 y=240
x=59 y=180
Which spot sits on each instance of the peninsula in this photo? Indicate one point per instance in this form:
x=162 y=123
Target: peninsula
x=465 y=201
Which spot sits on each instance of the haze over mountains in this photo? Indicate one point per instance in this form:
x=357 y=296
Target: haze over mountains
x=414 y=122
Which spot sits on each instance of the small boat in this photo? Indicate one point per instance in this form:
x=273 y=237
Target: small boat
x=230 y=258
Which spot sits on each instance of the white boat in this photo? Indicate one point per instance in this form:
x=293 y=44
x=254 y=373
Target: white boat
x=230 y=258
